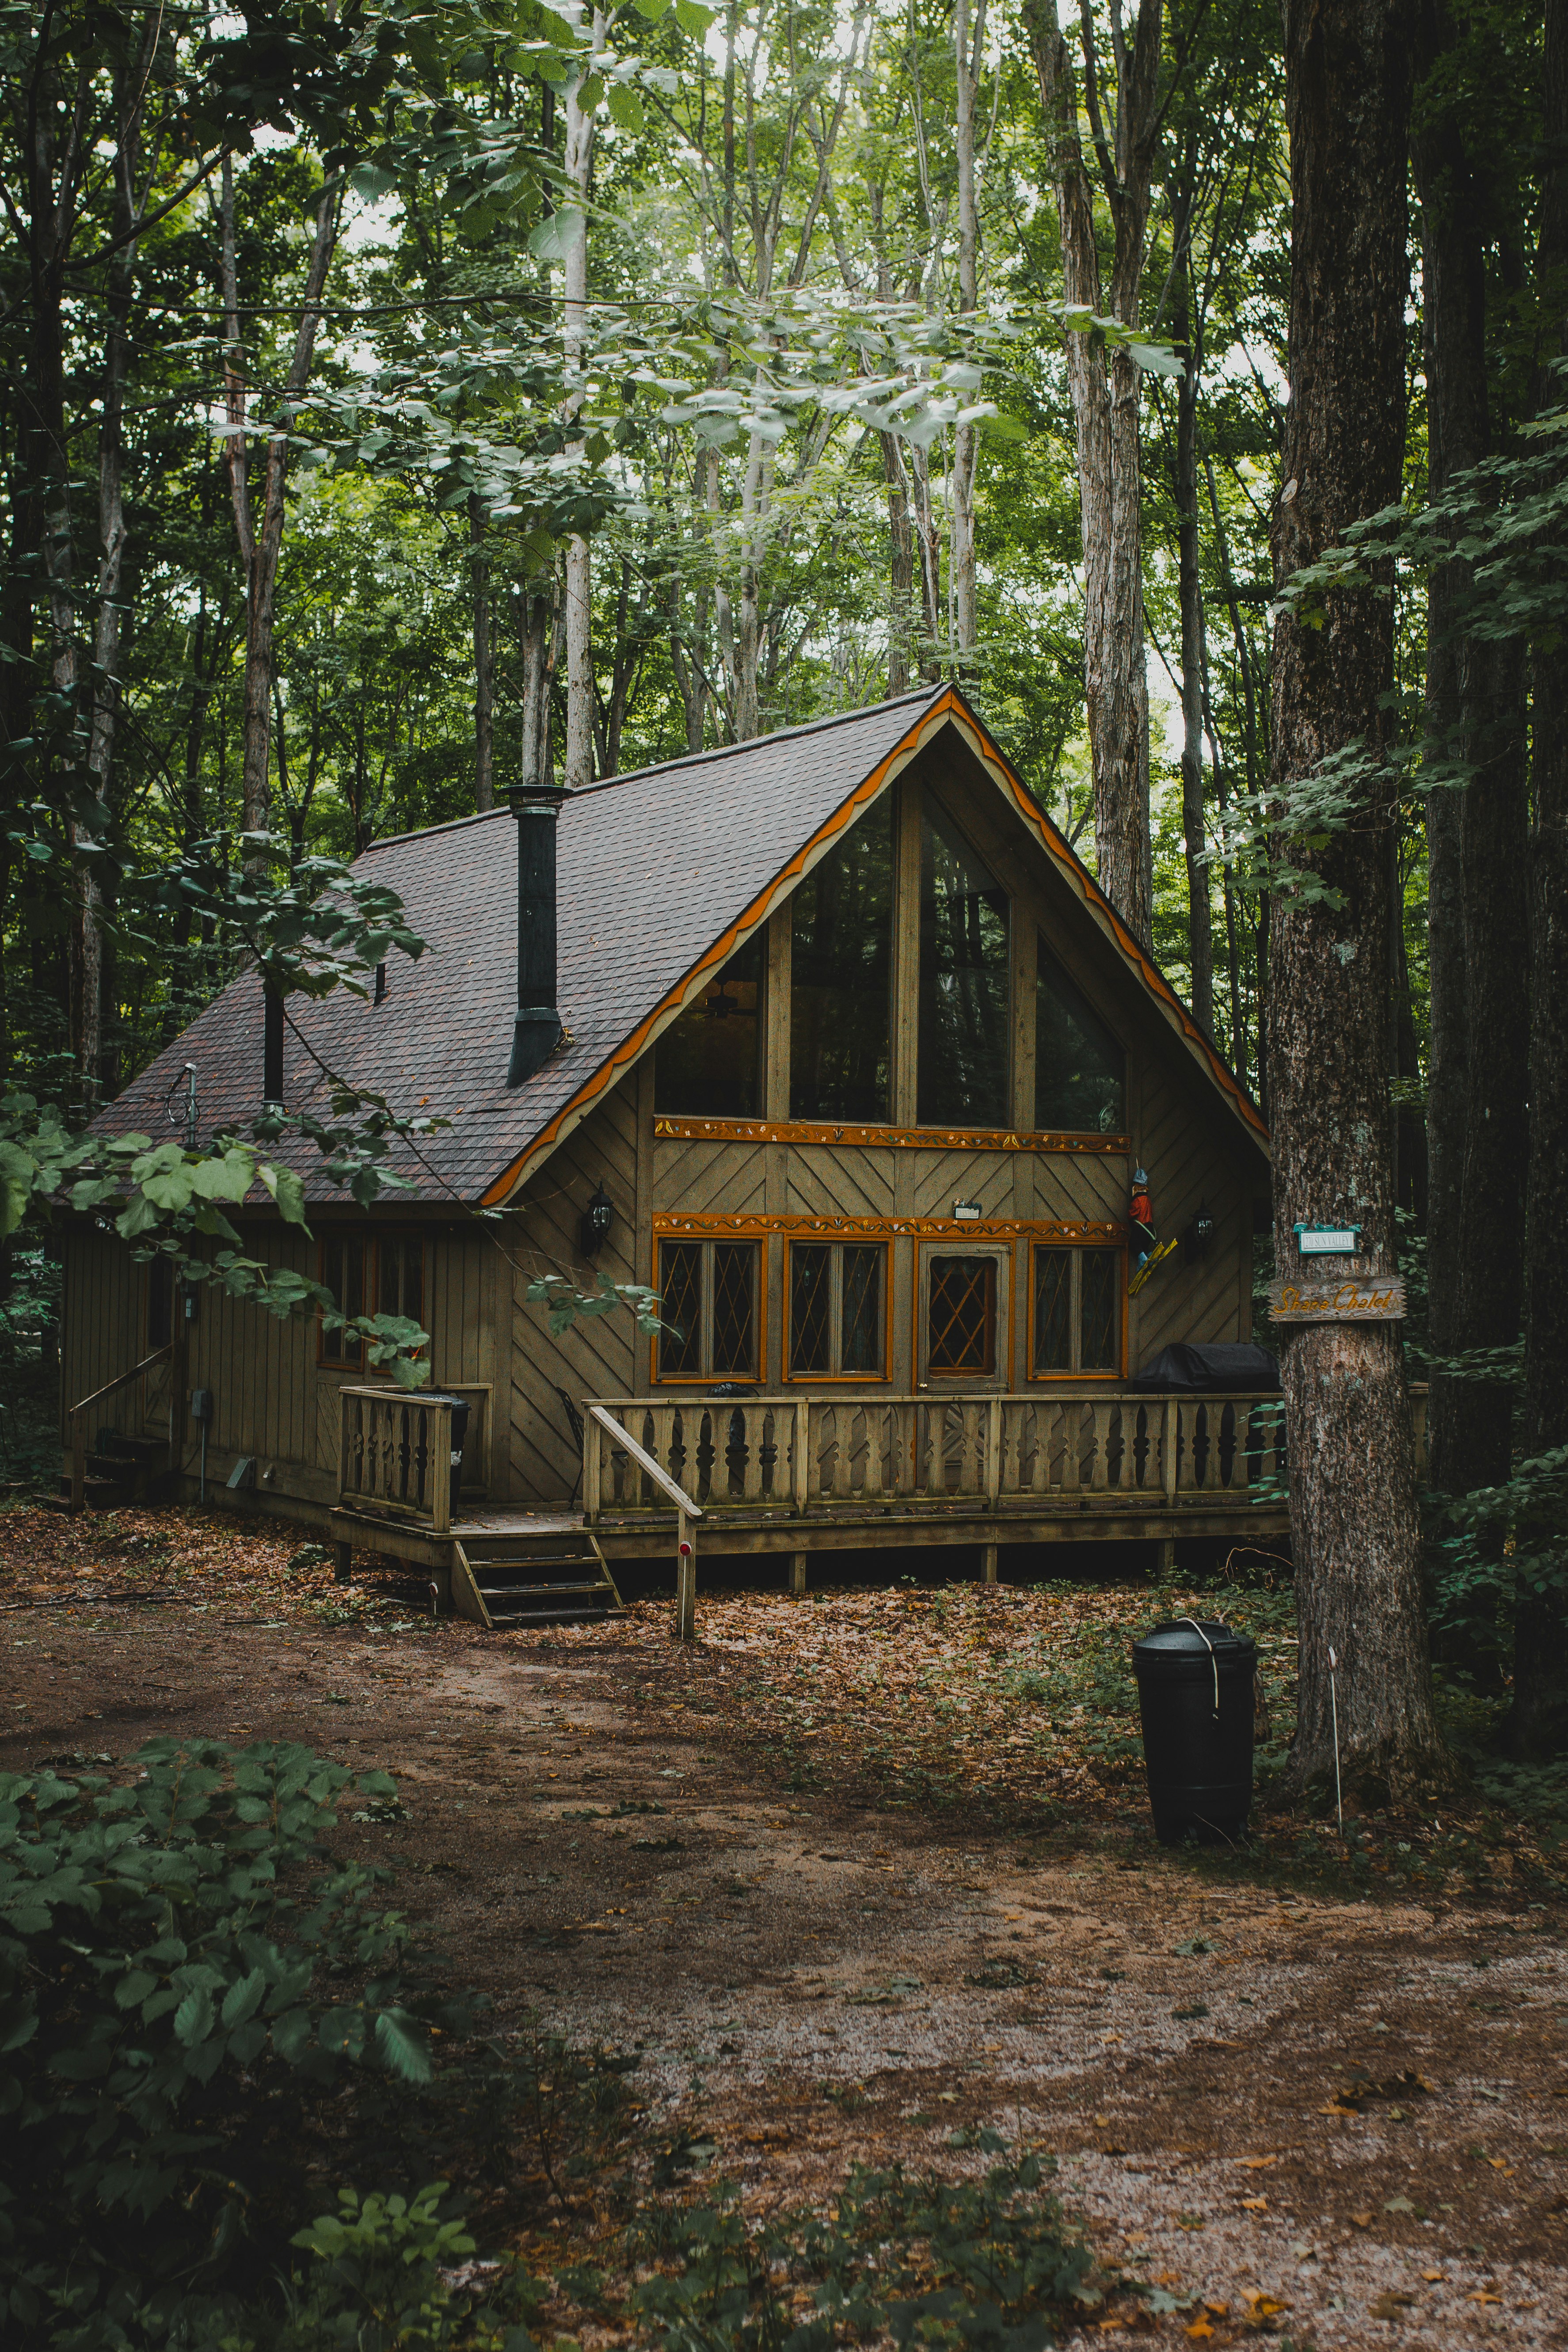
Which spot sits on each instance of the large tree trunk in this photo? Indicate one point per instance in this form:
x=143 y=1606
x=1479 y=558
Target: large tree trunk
x=1354 y=1524
x=1476 y=844
x=1539 y=1728
x=260 y=544
x=1105 y=409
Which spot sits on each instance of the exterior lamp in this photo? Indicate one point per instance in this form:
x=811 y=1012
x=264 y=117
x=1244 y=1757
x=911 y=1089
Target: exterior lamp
x=720 y=1007
x=1198 y=1236
x=597 y=1219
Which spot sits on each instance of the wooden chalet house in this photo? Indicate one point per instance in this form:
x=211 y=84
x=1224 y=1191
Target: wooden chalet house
x=831 y=1039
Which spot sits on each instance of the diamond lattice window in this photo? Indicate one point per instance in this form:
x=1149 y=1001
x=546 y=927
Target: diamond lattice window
x=962 y=1325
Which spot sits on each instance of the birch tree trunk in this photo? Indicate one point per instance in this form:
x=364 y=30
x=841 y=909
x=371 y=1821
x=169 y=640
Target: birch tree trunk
x=262 y=543
x=1355 y=1531
x=1105 y=409
x=579 y=164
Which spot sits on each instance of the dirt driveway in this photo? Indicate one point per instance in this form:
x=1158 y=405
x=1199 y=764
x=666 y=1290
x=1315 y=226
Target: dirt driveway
x=1344 y=2119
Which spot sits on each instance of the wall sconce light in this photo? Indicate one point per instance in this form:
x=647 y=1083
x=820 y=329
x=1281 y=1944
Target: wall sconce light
x=1197 y=1237
x=719 y=1006
x=597 y=1219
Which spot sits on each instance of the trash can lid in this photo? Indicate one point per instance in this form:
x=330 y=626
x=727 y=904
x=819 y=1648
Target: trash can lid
x=1200 y=1643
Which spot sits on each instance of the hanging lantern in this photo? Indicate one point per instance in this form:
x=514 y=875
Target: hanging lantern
x=597 y=1218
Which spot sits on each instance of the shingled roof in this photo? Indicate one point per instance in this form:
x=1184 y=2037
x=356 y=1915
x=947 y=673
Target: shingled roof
x=662 y=873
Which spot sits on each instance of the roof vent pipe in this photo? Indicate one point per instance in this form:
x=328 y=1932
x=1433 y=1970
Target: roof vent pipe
x=271 y=1047
x=536 y=1031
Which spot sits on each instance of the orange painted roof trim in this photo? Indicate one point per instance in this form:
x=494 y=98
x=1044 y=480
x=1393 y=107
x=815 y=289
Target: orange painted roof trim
x=950 y=703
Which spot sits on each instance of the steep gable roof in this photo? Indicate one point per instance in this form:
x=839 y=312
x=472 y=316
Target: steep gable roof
x=662 y=874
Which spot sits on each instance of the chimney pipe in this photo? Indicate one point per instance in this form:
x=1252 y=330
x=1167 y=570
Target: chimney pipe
x=536 y=1031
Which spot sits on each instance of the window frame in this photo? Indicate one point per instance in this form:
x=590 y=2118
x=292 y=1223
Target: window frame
x=881 y=1243
x=370 y=1294
x=1079 y=1251
x=1004 y=1259
x=706 y=1244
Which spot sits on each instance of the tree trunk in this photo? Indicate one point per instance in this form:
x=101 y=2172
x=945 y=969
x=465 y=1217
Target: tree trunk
x=965 y=439
x=1539 y=1726
x=259 y=546
x=484 y=663
x=1355 y=1531
x=1105 y=409
x=1200 y=914
x=579 y=164
x=1476 y=844
x=900 y=568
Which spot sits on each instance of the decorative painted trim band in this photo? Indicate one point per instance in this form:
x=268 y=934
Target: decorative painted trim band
x=670 y=1223
x=893 y=1139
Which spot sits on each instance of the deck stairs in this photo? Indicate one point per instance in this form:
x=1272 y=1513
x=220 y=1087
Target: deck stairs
x=119 y=1470
x=549 y=1572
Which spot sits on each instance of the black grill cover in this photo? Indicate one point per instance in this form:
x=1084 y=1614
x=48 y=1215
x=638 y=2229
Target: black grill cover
x=1189 y=1369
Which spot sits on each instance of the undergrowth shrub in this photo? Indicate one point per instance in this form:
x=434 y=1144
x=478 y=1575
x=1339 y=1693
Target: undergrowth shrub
x=185 y=1974
x=988 y=2265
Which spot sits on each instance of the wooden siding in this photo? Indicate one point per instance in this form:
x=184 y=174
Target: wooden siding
x=730 y=1176
x=103 y=1325
x=595 y=1356
x=1188 y=1167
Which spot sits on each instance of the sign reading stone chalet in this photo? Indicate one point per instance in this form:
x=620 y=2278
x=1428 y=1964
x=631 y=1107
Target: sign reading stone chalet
x=1348 y=1298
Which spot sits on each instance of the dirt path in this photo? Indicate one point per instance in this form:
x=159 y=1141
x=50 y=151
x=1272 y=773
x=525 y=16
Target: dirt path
x=1354 y=2110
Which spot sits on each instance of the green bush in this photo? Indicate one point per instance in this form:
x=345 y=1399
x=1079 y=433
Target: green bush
x=184 y=1973
x=975 y=2266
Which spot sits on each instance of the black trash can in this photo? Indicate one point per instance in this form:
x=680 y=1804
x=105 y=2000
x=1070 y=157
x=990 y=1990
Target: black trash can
x=1195 y=1696
x=460 y=1407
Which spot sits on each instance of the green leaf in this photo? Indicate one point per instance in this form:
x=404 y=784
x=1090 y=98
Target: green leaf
x=404 y=2048
x=625 y=106
x=553 y=237
x=244 y=1999
x=194 y=2016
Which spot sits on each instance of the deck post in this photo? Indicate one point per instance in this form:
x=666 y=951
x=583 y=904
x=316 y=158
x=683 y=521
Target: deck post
x=988 y=1562
x=342 y=1563
x=593 y=1440
x=1168 y=1447
x=797 y=1573
x=1165 y=1556
x=685 y=1578
x=801 y=1463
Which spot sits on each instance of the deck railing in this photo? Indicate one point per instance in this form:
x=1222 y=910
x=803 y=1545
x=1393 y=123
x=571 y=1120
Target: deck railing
x=394 y=1456
x=1009 y=1455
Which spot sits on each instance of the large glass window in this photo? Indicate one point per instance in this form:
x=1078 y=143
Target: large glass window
x=1078 y=1310
x=836 y=1311
x=709 y=1295
x=709 y=1062
x=840 y=971
x=1080 y=1068
x=963 y=1027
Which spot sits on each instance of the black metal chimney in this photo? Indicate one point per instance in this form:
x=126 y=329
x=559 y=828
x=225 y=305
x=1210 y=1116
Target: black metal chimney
x=537 y=1030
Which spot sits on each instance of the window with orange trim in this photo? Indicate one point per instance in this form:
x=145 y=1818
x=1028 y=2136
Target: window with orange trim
x=711 y=1310
x=382 y=1274
x=838 y=1312
x=1078 y=1310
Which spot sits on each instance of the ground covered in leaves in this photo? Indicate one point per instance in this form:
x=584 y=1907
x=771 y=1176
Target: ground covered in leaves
x=867 y=1878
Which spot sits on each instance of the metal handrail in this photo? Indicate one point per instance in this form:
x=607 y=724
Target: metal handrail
x=75 y=1412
